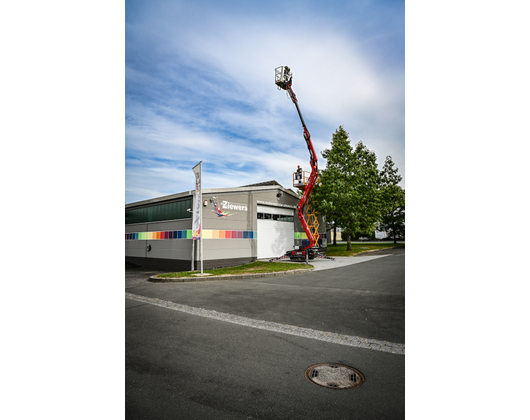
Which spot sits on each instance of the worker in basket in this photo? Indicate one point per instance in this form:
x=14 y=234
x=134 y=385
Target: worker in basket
x=288 y=77
x=299 y=173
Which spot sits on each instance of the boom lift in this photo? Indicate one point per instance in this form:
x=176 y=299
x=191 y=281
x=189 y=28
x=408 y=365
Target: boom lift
x=284 y=80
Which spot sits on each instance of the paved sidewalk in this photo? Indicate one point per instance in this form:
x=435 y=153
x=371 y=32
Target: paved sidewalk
x=325 y=264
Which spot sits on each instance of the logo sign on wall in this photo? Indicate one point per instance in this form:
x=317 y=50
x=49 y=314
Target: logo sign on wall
x=219 y=208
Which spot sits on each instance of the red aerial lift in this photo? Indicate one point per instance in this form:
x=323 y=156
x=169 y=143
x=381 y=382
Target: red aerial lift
x=284 y=80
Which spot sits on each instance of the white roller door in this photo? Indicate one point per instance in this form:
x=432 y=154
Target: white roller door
x=275 y=237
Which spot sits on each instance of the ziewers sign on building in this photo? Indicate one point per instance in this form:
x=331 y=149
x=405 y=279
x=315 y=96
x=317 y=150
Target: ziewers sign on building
x=227 y=205
x=220 y=208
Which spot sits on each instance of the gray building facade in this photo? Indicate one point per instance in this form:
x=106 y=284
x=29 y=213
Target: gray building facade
x=240 y=225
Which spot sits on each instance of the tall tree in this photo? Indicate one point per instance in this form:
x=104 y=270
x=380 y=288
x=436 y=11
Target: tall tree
x=392 y=200
x=327 y=192
x=348 y=192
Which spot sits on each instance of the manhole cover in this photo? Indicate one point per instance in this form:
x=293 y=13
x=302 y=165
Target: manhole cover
x=334 y=376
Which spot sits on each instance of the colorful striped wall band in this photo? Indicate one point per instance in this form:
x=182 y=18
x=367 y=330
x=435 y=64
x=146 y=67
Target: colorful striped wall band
x=207 y=234
x=188 y=234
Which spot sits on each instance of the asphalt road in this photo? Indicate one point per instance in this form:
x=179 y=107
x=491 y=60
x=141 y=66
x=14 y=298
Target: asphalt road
x=185 y=366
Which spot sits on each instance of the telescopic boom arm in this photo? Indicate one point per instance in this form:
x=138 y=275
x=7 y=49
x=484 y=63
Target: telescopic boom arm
x=284 y=80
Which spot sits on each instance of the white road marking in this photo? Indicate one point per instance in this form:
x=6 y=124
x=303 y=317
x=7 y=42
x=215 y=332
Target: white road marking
x=347 y=340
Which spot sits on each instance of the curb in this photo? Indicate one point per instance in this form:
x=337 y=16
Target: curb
x=374 y=250
x=156 y=279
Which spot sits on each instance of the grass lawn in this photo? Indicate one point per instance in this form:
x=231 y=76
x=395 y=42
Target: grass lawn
x=339 y=250
x=253 y=268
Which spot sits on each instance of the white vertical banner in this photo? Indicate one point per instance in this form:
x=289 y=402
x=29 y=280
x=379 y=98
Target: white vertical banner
x=197 y=209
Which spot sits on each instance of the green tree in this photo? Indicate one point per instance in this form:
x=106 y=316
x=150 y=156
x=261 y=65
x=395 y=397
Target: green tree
x=327 y=193
x=348 y=192
x=392 y=200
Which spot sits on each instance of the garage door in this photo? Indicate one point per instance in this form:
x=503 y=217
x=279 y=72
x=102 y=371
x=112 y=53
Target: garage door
x=275 y=231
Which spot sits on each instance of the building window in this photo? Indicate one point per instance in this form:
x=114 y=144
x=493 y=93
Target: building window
x=276 y=217
x=167 y=211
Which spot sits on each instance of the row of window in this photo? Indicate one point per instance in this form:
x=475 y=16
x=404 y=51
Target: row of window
x=277 y=217
x=179 y=210
x=167 y=211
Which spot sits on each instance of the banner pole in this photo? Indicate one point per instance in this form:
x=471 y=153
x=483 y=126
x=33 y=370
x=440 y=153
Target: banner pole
x=201 y=257
x=197 y=210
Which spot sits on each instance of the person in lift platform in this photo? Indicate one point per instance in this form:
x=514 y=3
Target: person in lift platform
x=299 y=173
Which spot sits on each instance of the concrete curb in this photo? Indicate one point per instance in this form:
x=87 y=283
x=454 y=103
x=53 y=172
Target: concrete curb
x=374 y=250
x=156 y=279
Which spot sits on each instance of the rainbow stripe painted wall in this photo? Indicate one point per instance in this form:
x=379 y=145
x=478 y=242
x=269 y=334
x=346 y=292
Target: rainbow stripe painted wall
x=207 y=234
x=188 y=234
x=229 y=234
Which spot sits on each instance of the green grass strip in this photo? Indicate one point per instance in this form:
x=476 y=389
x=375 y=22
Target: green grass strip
x=339 y=250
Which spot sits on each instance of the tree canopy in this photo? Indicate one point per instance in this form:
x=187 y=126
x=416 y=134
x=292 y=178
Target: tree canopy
x=352 y=193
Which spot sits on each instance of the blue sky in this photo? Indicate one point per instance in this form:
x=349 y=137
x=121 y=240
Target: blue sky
x=199 y=86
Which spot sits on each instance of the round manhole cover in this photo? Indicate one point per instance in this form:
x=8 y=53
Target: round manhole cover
x=334 y=376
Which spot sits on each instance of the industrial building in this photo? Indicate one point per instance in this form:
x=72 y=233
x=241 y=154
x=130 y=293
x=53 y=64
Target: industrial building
x=240 y=225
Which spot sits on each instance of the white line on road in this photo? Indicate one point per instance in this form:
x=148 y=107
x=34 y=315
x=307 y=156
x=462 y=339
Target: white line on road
x=347 y=340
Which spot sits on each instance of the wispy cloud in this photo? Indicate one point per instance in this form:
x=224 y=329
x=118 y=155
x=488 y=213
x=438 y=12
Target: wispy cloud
x=200 y=87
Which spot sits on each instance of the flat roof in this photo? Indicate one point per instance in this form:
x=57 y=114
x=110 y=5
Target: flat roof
x=248 y=188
